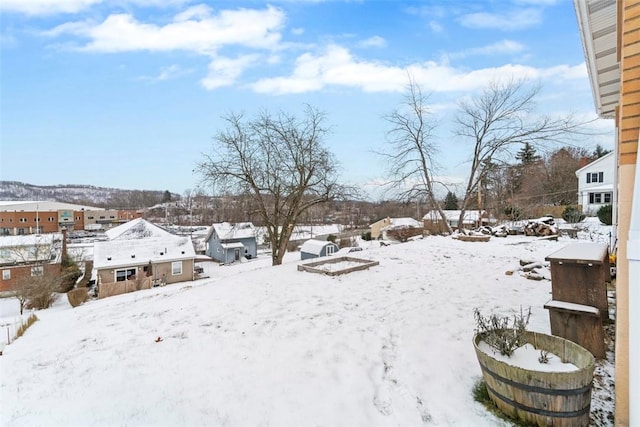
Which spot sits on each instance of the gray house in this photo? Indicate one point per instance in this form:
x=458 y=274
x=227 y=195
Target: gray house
x=228 y=243
x=316 y=248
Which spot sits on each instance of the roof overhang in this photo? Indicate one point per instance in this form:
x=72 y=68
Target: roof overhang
x=597 y=20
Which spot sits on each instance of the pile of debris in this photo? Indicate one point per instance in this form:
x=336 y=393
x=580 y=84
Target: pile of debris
x=544 y=226
x=532 y=270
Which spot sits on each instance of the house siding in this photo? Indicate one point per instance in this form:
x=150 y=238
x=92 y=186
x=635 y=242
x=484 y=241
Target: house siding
x=20 y=272
x=605 y=166
x=628 y=124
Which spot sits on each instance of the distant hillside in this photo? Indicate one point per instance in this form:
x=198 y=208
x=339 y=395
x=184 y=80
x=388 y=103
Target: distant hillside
x=82 y=194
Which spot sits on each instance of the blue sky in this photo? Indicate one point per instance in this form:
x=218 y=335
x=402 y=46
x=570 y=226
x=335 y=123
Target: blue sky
x=129 y=93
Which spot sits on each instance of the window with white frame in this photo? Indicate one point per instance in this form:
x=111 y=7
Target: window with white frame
x=6 y=274
x=593 y=177
x=125 y=274
x=600 y=198
x=176 y=268
x=37 y=270
x=330 y=249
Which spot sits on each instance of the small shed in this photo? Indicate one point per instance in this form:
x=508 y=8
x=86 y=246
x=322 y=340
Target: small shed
x=229 y=243
x=317 y=248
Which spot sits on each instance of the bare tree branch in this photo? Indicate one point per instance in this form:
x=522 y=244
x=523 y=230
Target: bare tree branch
x=280 y=163
x=410 y=157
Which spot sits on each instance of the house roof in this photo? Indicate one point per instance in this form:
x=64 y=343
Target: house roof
x=399 y=222
x=31 y=248
x=313 y=246
x=595 y=162
x=597 y=20
x=227 y=231
x=42 y=206
x=453 y=215
x=138 y=228
x=121 y=253
x=233 y=245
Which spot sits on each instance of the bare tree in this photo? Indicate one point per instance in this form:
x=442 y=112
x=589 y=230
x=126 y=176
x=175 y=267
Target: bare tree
x=410 y=158
x=280 y=163
x=500 y=118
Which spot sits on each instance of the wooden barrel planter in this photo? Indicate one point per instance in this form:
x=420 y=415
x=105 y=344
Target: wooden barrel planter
x=541 y=398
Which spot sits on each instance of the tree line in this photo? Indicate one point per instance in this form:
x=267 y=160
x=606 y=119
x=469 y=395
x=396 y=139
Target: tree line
x=280 y=167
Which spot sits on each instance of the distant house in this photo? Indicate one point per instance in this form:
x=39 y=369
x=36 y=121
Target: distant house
x=313 y=248
x=472 y=219
x=140 y=255
x=595 y=184
x=228 y=243
x=383 y=229
x=29 y=256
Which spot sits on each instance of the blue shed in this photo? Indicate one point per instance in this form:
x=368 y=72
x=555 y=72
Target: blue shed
x=317 y=248
x=228 y=243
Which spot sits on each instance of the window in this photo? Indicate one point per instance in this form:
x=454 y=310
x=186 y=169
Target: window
x=330 y=249
x=51 y=219
x=595 y=177
x=20 y=231
x=126 y=274
x=90 y=217
x=6 y=274
x=38 y=270
x=23 y=219
x=599 y=198
x=176 y=268
x=4 y=231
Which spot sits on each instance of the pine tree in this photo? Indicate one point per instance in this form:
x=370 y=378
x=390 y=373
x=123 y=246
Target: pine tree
x=166 y=196
x=527 y=154
x=599 y=152
x=451 y=202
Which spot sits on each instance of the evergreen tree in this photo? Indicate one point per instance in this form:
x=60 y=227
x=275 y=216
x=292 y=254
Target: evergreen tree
x=599 y=152
x=166 y=196
x=527 y=154
x=451 y=202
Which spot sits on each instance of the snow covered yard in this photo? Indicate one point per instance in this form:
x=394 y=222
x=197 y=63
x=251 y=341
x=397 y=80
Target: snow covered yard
x=260 y=345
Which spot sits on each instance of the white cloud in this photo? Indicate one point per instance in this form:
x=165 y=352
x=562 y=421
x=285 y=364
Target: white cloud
x=515 y=19
x=297 y=31
x=167 y=73
x=498 y=48
x=337 y=67
x=52 y=7
x=225 y=71
x=195 y=29
x=435 y=26
x=46 y=7
x=375 y=41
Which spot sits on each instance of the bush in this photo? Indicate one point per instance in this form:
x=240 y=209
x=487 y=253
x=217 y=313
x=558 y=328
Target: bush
x=69 y=277
x=513 y=213
x=501 y=334
x=605 y=214
x=332 y=238
x=366 y=236
x=77 y=296
x=571 y=214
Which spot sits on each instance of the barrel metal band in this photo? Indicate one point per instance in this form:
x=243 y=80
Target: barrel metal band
x=543 y=412
x=555 y=392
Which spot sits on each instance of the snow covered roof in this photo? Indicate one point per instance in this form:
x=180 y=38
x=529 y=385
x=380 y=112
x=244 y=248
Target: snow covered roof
x=136 y=229
x=603 y=159
x=42 y=205
x=409 y=222
x=313 y=246
x=232 y=245
x=29 y=240
x=30 y=248
x=453 y=215
x=227 y=231
x=119 y=253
